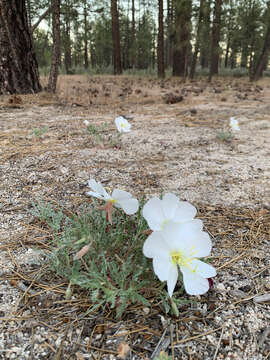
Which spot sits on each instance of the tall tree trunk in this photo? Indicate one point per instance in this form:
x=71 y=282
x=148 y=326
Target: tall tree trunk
x=86 y=61
x=55 y=60
x=226 y=60
x=67 y=36
x=160 y=52
x=116 y=39
x=18 y=65
x=215 y=39
x=181 y=37
x=29 y=14
x=198 y=40
x=169 y=39
x=262 y=60
x=205 y=46
x=133 y=35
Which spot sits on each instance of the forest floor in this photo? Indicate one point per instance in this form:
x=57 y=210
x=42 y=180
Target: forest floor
x=180 y=142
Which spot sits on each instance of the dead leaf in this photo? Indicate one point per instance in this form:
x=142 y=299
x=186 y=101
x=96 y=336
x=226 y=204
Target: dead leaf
x=79 y=356
x=82 y=252
x=123 y=350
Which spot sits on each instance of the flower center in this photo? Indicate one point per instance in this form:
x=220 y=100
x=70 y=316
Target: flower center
x=123 y=125
x=164 y=222
x=178 y=258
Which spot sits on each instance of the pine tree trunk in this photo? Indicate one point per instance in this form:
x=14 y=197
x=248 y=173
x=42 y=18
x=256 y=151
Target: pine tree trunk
x=160 y=52
x=67 y=37
x=181 y=43
x=215 y=40
x=262 y=60
x=133 y=35
x=55 y=60
x=86 y=61
x=18 y=65
x=226 y=60
x=205 y=46
x=116 y=39
x=197 y=43
x=169 y=40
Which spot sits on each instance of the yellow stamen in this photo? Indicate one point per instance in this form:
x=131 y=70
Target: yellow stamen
x=178 y=258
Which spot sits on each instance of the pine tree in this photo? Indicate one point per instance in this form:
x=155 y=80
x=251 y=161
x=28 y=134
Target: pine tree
x=18 y=65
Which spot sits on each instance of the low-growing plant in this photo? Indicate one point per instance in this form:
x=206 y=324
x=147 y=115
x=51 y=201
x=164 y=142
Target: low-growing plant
x=225 y=136
x=107 y=270
x=163 y=356
x=101 y=249
x=38 y=132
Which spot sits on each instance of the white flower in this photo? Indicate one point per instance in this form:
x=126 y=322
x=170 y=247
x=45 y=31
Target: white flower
x=119 y=198
x=159 y=212
x=122 y=124
x=86 y=122
x=180 y=246
x=234 y=124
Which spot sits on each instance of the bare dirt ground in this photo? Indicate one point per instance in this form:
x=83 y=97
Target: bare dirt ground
x=179 y=143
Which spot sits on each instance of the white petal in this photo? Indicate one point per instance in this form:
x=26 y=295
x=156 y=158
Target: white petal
x=153 y=213
x=122 y=124
x=194 y=284
x=201 y=245
x=188 y=238
x=130 y=206
x=96 y=195
x=169 y=204
x=98 y=188
x=195 y=277
x=203 y=269
x=118 y=121
x=172 y=235
x=118 y=194
x=162 y=267
x=184 y=212
x=172 y=279
x=156 y=246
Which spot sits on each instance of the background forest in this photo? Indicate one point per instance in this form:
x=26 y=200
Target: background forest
x=168 y=36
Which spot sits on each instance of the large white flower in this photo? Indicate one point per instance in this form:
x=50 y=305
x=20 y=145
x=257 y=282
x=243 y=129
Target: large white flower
x=122 y=124
x=181 y=246
x=159 y=212
x=234 y=124
x=119 y=198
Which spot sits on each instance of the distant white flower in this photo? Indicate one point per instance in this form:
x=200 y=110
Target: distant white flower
x=86 y=122
x=234 y=124
x=119 y=198
x=122 y=124
x=181 y=246
x=159 y=212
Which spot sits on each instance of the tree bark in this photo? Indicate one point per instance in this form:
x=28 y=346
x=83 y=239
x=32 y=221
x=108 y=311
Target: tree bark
x=197 y=42
x=160 y=52
x=205 y=32
x=18 y=65
x=86 y=61
x=215 y=39
x=67 y=36
x=117 y=65
x=262 y=60
x=169 y=38
x=181 y=37
x=133 y=35
x=55 y=61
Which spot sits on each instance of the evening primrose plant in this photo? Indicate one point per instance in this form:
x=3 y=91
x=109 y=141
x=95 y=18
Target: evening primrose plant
x=105 y=247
